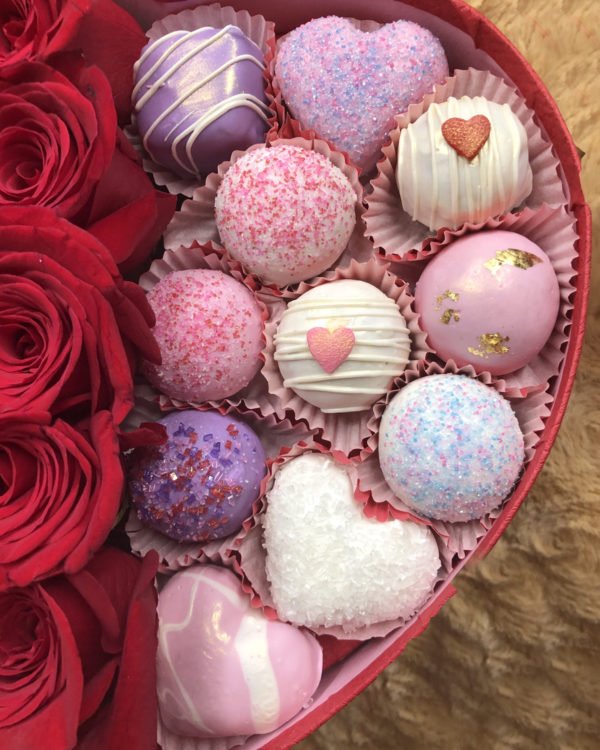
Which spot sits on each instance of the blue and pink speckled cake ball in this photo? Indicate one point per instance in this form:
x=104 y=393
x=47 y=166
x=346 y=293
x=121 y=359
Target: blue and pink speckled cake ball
x=200 y=485
x=347 y=85
x=450 y=447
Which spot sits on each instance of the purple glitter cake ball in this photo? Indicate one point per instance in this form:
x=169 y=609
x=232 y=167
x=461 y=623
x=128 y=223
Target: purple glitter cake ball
x=450 y=447
x=198 y=96
x=200 y=485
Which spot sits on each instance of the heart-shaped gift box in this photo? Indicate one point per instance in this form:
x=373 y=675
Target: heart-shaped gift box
x=470 y=40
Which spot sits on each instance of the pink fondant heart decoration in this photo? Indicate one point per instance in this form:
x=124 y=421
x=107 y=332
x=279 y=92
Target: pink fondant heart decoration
x=467 y=137
x=330 y=348
x=347 y=85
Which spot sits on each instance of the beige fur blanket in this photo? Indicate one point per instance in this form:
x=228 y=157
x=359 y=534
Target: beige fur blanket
x=513 y=661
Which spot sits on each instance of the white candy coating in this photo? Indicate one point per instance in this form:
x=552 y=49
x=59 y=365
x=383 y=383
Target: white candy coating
x=441 y=188
x=380 y=351
x=328 y=564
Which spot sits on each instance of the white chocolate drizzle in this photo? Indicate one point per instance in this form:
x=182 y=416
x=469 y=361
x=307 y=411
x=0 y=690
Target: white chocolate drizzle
x=440 y=188
x=213 y=113
x=373 y=356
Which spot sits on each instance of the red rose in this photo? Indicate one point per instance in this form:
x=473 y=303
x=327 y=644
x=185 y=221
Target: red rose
x=77 y=659
x=71 y=327
x=107 y=35
x=58 y=149
x=62 y=490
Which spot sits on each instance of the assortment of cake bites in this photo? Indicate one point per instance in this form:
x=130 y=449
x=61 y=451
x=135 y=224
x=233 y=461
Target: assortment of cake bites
x=285 y=317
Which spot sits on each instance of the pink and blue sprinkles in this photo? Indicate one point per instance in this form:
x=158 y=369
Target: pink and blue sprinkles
x=347 y=85
x=450 y=447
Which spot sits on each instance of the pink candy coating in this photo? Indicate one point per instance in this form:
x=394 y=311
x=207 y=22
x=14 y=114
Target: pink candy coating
x=209 y=329
x=285 y=212
x=223 y=669
x=490 y=300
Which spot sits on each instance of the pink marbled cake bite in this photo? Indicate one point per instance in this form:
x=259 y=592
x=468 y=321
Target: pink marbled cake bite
x=489 y=299
x=223 y=669
x=209 y=329
x=285 y=212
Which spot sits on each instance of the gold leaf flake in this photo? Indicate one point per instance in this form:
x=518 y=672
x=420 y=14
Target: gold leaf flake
x=450 y=315
x=512 y=257
x=454 y=296
x=490 y=343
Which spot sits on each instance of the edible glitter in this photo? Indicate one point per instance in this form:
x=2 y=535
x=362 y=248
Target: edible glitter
x=450 y=315
x=467 y=137
x=200 y=485
x=450 y=447
x=348 y=85
x=209 y=329
x=511 y=257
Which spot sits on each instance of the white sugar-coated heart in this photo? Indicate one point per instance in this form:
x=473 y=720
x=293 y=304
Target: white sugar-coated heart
x=328 y=564
x=347 y=85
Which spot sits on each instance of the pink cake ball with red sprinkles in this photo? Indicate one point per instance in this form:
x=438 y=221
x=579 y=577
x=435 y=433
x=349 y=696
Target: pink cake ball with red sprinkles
x=285 y=212
x=450 y=447
x=209 y=328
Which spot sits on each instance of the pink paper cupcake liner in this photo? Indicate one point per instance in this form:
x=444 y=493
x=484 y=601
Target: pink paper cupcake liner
x=170 y=741
x=347 y=433
x=213 y=258
x=256 y=28
x=275 y=435
x=553 y=229
x=394 y=233
x=250 y=557
x=196 y=221
x=460 y=538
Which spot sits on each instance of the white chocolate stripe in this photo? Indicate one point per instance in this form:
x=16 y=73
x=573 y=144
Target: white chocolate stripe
x=306 y=380
x=191 y=90
x=301 y=304
x=252 y=648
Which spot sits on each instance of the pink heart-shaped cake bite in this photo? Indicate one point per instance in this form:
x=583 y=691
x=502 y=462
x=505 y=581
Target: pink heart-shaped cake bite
x=330 y=348
x=347 y=84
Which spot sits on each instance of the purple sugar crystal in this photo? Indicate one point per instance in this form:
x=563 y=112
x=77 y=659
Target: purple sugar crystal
x=200 y=485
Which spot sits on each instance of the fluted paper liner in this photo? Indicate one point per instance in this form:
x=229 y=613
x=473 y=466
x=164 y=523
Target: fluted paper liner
x=275 y=435
x=216 y=259
x=380 y=501
x=170 y=741
x=347 y=433
x=256 y=28
x=250 y=555
x=287 y=125
x=394 y=233
x=196 y=221
x=553 y=229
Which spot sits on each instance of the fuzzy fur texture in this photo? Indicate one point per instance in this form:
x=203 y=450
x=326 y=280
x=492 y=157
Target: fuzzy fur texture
x=513 y=661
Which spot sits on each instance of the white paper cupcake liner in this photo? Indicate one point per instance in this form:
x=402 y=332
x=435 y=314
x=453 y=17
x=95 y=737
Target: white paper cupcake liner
x=196 y=221
x=347 y=433
x=394 y=233
x=256 y=28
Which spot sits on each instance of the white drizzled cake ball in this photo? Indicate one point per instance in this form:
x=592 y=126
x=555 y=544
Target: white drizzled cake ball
x=328 y=564
x=340 y=345
x=464 y=160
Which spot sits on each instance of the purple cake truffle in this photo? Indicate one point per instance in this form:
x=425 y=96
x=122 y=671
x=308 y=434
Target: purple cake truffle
x=198 y=96
x=200 y=485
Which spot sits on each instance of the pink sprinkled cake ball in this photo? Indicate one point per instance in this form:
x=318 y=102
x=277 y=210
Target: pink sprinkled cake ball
x=490 y=300
x=223 y=668
x=209 y=329
x=285 y=212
